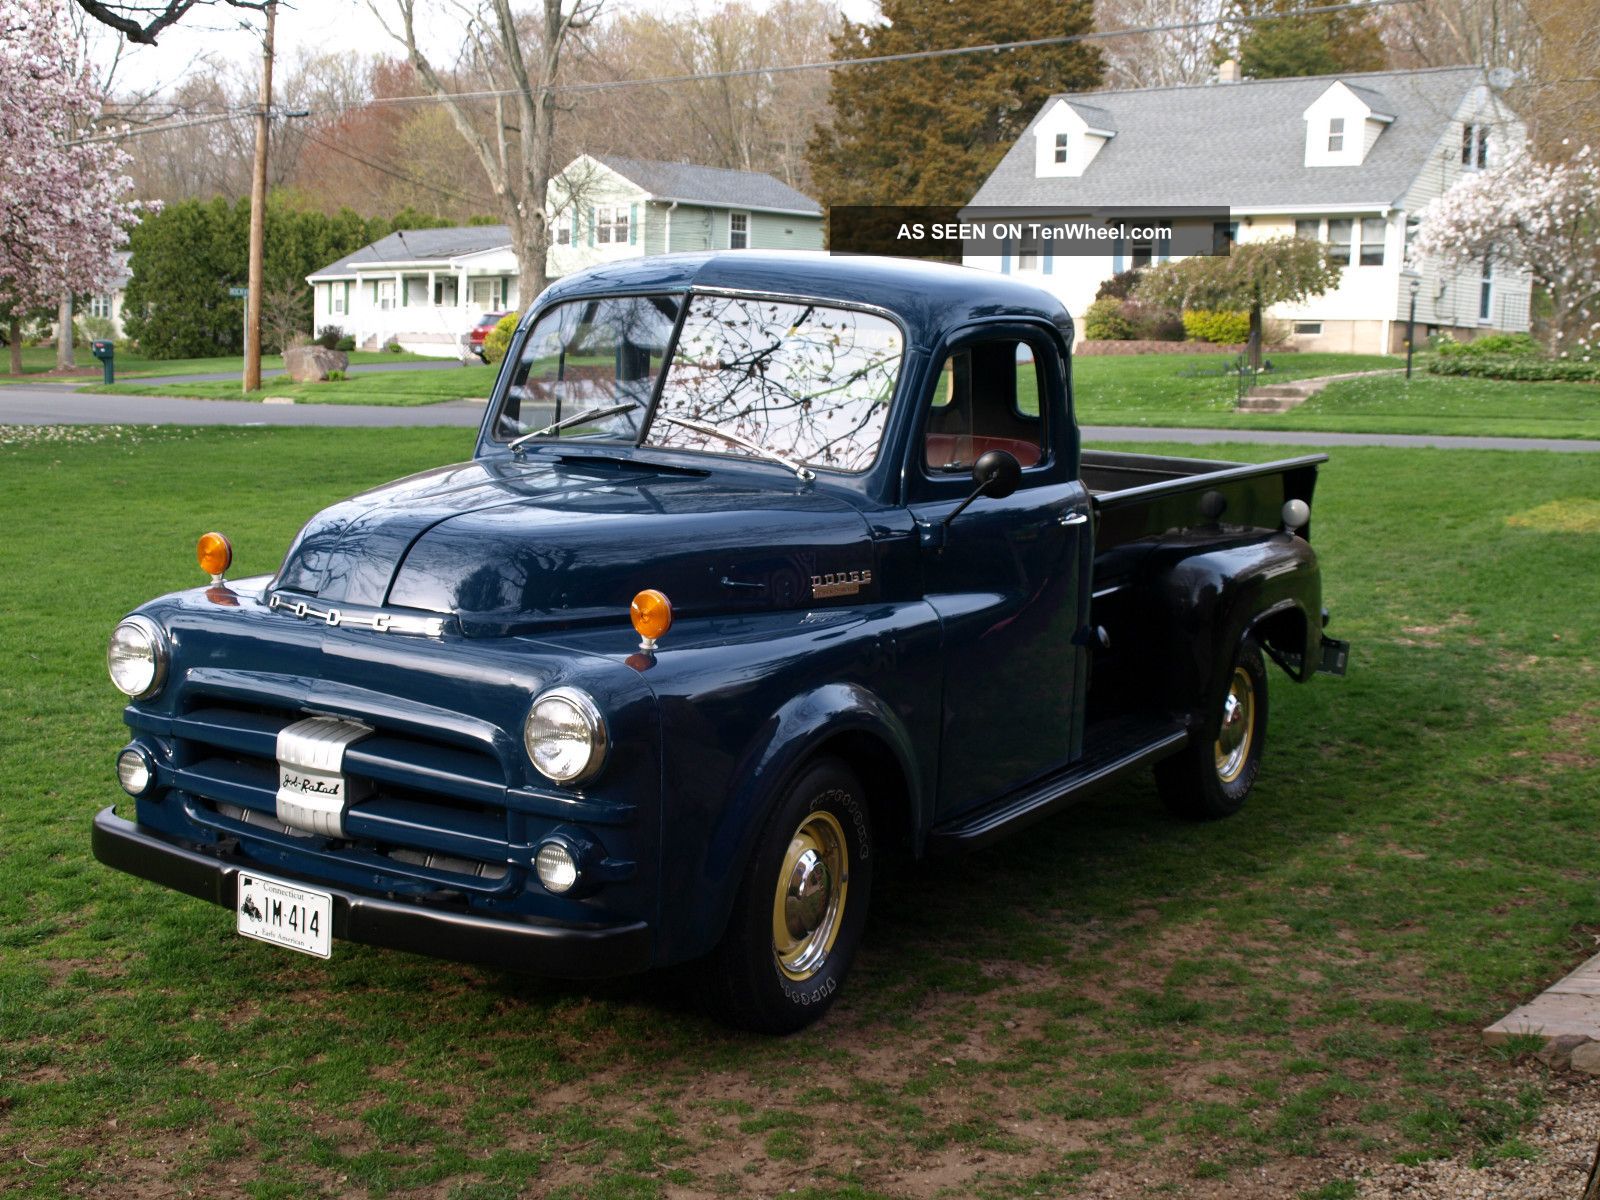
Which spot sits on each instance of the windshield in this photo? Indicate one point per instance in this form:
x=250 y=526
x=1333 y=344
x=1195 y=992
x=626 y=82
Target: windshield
x=803 y=381
x=600 y=356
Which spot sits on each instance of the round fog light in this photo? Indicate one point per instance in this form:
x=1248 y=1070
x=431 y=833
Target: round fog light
x=558 y=870
x=133 y=772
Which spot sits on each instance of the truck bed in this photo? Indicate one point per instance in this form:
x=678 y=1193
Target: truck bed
x=1137 y=496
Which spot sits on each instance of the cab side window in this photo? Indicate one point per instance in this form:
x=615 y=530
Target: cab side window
x=985 y=397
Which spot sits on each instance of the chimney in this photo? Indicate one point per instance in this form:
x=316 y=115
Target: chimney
x=1228 y=72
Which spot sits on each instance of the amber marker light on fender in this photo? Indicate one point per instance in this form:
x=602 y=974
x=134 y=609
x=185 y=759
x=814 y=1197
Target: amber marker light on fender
x=215 y=555
x=652 y=617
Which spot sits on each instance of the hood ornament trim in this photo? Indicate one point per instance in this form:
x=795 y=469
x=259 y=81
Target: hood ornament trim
x=377 y=619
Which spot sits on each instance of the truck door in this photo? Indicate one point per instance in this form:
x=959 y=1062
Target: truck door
x=1010 y=582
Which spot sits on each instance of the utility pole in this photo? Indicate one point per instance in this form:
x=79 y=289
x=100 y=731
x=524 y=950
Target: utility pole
x=258 y=214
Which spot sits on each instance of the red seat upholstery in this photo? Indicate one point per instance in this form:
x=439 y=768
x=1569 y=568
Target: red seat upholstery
x=946 y=448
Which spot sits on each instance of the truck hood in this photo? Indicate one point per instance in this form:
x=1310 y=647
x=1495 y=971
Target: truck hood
x=509 y=546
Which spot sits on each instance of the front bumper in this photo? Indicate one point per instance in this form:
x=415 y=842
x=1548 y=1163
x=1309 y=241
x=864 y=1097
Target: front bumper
x=541 y=948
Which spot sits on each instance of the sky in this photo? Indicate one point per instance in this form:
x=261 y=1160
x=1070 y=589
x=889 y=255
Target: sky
x=223 y=34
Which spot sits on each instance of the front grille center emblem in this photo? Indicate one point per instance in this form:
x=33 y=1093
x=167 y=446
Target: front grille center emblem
x=313 y=791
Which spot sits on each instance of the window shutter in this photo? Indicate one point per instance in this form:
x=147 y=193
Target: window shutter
x=592 y=220
x=1163 y=249
x=347 y=297
x=633 y=224
x=1118 y=250
x=1005 y=256
x=405 y=291
x=1049 y=258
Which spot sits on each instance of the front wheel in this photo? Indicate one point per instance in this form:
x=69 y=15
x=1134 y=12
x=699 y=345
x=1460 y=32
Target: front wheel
x=1214 y=773
x=801 y=906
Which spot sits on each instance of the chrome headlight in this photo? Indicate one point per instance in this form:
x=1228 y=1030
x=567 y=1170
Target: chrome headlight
x=137 y=657
x=565 y=735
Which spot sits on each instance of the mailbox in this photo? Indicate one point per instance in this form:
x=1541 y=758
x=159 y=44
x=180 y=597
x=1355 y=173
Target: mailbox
x=106 y=352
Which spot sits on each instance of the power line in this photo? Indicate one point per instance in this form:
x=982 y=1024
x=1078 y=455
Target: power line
x=831 y=64
x=387 y=170
x=905 y=56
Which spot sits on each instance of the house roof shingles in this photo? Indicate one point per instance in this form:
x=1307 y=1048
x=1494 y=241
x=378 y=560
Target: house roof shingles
x=1238 y=144
x=424 y=245
x=710 y=185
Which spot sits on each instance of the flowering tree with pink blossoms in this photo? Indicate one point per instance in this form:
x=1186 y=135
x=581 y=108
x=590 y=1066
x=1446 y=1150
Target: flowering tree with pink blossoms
x=1543 y=218
x=64 y=209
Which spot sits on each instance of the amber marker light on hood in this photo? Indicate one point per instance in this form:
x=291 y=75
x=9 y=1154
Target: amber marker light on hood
x=652 y=617
x=215 y=554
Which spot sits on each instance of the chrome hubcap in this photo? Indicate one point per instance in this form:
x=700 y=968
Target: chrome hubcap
x=810 y=896
x=1237 y=731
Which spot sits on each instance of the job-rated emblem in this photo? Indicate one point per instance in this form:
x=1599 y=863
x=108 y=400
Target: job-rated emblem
x=842 y=583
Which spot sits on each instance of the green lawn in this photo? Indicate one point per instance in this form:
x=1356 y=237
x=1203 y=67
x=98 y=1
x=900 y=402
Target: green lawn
x=1187 y=391
x=378 y=387
x=37 y=359
x=1116 y=996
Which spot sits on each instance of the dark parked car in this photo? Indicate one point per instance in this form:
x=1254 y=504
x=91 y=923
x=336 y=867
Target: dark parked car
x=879 y=597
x=481 y=330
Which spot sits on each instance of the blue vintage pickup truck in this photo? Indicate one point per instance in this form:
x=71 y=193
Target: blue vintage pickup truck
x=763 y=566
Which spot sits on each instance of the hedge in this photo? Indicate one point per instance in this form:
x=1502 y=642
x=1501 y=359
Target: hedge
x=1518 y=367
x=1204 y=325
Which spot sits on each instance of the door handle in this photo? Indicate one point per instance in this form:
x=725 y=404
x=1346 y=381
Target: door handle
x=1075 y=518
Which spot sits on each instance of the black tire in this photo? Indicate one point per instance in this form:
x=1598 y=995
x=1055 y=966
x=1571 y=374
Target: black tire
x=759 y=983
x=1214 y=773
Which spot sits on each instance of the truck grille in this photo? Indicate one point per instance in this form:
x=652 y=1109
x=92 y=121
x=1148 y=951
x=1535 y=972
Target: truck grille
x=430 y=811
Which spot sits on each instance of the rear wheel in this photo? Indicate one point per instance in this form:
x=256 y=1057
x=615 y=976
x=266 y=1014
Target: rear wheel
x=801 y=906
x=1214 y=773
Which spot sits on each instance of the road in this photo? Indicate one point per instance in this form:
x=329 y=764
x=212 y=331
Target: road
x=56 y=404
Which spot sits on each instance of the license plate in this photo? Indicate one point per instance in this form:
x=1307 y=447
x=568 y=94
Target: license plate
x=285 y=915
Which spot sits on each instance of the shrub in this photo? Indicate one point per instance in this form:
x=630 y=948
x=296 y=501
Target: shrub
x=1219 y=328
x=1153 y=322
x=393 y=347
x=1522 y=367
x=329 y=337
x=346 y=343
x=1120 y=286
x=1104 y=321
x=498 y=340
x=335 y=375
x=1493 y=344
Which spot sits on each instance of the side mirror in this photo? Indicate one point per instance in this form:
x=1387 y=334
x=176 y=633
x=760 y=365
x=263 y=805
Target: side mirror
x=996 y=474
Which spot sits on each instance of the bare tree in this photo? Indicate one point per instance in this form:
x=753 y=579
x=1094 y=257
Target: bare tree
x=142 y=21
x=516 y=149
x=1167 y=59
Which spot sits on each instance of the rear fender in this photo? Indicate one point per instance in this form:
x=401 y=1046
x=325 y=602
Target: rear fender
x=1265 y=584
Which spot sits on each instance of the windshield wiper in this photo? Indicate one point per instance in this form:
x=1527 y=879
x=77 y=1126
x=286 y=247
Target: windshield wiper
x=593 y=414
x=805 y=473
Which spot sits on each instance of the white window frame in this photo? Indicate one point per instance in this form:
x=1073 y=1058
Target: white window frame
x=336 y=298
x=1381 y=242
x=1335 y=135
x=611 y=225
x=1347 y=247
x=1308 y=229
x=386 y=303
x=1474 y=146
x=492 y=282
x=744 y=233
x=100 y=306
x=1062 y=145
x=1308 y=328
x=563 y=228
x=1486 y=292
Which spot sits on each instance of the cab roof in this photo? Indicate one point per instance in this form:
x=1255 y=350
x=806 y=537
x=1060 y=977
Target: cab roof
x=929 y=298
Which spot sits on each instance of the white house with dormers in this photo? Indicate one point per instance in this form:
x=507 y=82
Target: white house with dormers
x=1348 y=161
x=427 y=288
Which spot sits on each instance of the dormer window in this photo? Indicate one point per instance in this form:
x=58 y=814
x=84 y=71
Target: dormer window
x=1335 y=134
x=1475 y=147
x=1061 y=147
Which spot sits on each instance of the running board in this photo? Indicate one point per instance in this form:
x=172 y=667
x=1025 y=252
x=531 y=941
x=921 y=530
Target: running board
x=1121 y=747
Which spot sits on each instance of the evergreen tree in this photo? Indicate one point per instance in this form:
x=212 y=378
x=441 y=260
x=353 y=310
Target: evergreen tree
x=930 y=131
x=186 y=257
x=1323 y=44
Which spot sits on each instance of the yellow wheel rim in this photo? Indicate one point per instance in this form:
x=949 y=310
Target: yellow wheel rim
x=808 y=902
x=1238 y=728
